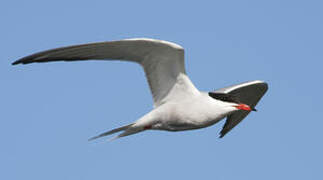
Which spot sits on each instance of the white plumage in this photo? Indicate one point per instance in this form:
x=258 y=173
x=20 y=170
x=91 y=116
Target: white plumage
x=178 y=104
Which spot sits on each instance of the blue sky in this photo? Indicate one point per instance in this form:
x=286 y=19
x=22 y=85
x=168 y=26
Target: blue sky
x=48 y=111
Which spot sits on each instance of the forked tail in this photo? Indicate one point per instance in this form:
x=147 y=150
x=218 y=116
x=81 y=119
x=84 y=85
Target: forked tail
x=112 y=132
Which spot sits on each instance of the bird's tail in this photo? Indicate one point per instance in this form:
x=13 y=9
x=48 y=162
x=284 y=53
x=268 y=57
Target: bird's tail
x=114 y=131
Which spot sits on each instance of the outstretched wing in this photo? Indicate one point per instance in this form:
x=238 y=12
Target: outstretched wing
x=163 y=62
x=248 y=93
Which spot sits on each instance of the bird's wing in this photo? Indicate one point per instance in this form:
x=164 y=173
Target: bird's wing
x=248 y=93
x=163 y=62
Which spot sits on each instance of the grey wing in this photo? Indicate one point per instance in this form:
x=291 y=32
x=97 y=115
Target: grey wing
x=162 y=61
x=248 y=93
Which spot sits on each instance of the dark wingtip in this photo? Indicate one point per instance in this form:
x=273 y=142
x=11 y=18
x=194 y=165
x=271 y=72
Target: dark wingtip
x=93 y=138
x=16 y=62
x=22 y=61
x=222 y=133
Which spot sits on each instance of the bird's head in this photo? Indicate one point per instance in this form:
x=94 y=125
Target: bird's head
x=231 y=101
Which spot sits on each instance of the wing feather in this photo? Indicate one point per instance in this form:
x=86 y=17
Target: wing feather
x=163 y=62
x=248 y=93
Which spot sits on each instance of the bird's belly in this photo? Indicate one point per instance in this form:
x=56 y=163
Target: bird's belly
x=178 y=125
x=186 y=115
x=180 y=121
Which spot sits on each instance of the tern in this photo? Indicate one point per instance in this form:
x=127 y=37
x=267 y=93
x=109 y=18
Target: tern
x=178 y=104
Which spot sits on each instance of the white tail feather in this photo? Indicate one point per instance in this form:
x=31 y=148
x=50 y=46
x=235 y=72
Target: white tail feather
x=112 y=132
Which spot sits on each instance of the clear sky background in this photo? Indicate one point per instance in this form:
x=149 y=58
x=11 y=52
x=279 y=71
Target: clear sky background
x=48 y=111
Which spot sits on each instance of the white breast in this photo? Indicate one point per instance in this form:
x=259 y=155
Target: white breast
x=192 y=113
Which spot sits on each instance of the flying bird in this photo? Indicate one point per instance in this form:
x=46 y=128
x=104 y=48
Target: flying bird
x=178 y=104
